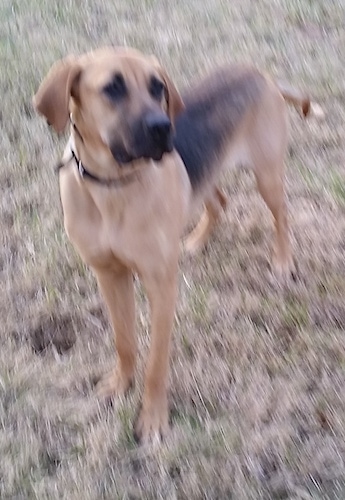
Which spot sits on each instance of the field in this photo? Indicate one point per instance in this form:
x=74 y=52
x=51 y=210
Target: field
x=258 y=368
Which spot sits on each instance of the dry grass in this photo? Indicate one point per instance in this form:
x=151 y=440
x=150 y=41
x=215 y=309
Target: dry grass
x=258 y=370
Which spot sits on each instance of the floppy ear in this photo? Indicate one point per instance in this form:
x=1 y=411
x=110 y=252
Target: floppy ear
x=52 y=97
x=175 y=103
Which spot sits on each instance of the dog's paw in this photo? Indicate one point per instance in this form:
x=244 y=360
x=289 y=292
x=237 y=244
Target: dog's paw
x=284 y=269
x=192 y=244
x=152 y=424
x=113 y=384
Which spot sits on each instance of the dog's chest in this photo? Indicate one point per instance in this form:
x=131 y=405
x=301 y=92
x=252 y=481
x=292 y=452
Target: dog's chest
x=110 y=227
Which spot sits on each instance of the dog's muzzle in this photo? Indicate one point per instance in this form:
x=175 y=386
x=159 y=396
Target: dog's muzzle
x=152 y=136
x=159 y=130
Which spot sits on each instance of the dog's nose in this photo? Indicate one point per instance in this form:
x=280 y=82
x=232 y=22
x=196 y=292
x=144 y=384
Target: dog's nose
x=158 y=126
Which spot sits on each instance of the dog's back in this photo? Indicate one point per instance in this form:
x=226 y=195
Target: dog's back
x=214 y=111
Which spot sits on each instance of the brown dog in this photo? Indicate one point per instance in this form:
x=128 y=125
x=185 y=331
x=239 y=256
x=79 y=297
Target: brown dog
x=126 y=204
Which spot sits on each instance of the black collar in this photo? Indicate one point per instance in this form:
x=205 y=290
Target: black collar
x=85 y=174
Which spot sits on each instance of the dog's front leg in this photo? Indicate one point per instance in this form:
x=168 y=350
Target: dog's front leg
x=118 y=292
x=153 y=418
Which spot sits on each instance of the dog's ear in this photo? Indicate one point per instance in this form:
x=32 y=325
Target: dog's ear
x=52 y=97
x=174 y=100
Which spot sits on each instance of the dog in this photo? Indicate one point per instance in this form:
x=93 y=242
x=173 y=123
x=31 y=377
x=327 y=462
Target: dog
x=138 y=159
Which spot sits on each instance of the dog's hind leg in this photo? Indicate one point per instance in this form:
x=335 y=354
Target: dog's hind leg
x=214 y=205
x=267 y=148
x=271 y=187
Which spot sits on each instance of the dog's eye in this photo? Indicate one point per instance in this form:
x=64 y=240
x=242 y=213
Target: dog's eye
x=116 y=89
x=156 y=88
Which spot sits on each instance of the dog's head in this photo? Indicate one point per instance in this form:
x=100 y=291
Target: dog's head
x=120 y=100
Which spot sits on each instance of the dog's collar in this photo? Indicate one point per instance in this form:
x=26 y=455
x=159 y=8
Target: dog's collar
x=85 y=174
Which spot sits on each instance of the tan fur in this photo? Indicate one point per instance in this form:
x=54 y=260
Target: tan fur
x=137 y=228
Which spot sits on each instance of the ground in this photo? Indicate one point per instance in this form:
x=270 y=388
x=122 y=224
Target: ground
x=258 y=368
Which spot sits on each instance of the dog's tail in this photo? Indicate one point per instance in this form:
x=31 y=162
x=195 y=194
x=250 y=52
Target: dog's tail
x=300 y=100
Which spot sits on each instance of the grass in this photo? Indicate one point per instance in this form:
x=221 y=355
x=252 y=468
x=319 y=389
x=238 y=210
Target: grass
x=257 y=369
